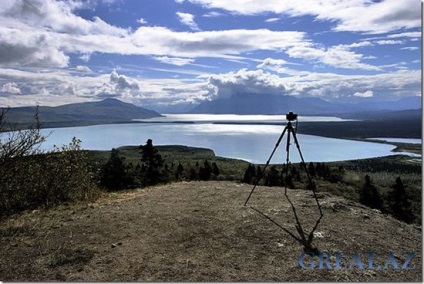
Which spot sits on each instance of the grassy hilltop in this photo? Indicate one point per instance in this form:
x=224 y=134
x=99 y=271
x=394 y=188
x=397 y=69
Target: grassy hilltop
x=200 y=231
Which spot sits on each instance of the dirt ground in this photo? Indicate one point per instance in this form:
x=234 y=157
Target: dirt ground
x=200 y=231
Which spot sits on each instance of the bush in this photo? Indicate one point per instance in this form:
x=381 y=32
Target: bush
x=30 y=178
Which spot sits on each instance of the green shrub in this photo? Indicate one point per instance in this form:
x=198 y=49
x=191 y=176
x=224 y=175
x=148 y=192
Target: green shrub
x=30 y=178
x=46 y=179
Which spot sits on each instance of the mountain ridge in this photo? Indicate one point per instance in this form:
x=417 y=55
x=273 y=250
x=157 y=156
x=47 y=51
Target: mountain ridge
x=78 y=114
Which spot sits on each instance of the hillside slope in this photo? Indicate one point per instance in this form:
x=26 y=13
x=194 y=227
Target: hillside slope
x=200 y=231
x=105 y=111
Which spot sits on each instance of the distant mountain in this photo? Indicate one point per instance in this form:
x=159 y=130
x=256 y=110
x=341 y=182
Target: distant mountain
x=276 y=104
x=400 y=115
x=273 y=104
x=88 y=113
x=400 y=104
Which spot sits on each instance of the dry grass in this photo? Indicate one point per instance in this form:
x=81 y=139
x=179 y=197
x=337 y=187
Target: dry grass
x=198 y=231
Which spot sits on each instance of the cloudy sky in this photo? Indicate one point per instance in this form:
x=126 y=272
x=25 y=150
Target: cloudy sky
x=162 y=53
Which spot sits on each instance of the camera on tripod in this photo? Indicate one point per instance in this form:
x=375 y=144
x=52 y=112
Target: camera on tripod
x=291 y=116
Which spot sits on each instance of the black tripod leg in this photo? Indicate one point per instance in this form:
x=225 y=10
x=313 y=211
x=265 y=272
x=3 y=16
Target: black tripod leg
x=267 y=163
x=307 y=173
x=298 y=224
x=287 y=158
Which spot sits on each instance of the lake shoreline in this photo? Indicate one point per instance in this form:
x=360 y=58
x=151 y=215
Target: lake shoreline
x=334 y=129
x=250 y=138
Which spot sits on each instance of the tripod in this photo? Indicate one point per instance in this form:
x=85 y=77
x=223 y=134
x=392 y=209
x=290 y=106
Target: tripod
x=290 y=130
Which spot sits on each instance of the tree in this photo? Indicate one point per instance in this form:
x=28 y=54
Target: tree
x=15 y=142
x=369 y=195
x=179 y=172
x=399 y=205
x=272 y=178
x=215 y=169
x=115 y=174
x=152 y=164
x=311 y=169
x=192 y=174
x=258 y=173
x=205 y=171
x=249 y=174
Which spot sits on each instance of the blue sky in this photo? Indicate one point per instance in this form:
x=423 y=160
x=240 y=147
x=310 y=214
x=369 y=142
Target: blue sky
x=165 y=54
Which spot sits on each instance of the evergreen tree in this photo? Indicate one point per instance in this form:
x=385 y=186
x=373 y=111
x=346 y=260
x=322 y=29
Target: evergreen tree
x=319 y=170
x=249 y=174
x=205 y=172
x=258 y=172
x=215 y=169
x=288 y=181
x=311 y=169
x=180 y=171
x=193 y=175
x=293 y=171
x=272 y=179
x=115 y=174
x=311 y=185
x=152 y=164
x=369 y=195
x=398 y=202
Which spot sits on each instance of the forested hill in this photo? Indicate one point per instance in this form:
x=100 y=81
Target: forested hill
x=77 y=114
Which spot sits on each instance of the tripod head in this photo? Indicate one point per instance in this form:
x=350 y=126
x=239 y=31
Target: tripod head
x=291 y=116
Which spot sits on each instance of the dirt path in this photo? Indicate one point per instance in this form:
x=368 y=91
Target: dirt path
x=200 y=231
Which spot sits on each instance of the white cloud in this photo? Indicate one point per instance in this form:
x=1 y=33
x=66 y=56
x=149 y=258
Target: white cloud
x=376 y=17
x=367 y=94
x=121 y=82
x=359 y=44
x=57 y=16
x=188 y=20
x=214 y=14
x=406 y=34
x=384 y=42
x=141 y=21
x=59 y=87
x=49 y=33
x=174 y=60
x=34 y=40
x=279 y=66
x=410 y=48
x=85 y=57
x=247 y=81
x=83 y=69
x=324 y=85
x=37 y=32
x=162 y=41
x=381 y=17
x=272 y=20
x=33 y=48
x=272 y=62
x=338 y=56
x=11 y=88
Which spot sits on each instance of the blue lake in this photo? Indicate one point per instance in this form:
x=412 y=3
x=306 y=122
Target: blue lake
x=251 y=142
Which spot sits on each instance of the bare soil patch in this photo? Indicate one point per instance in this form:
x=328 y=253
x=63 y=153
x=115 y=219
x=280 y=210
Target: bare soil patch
x=200 y=231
